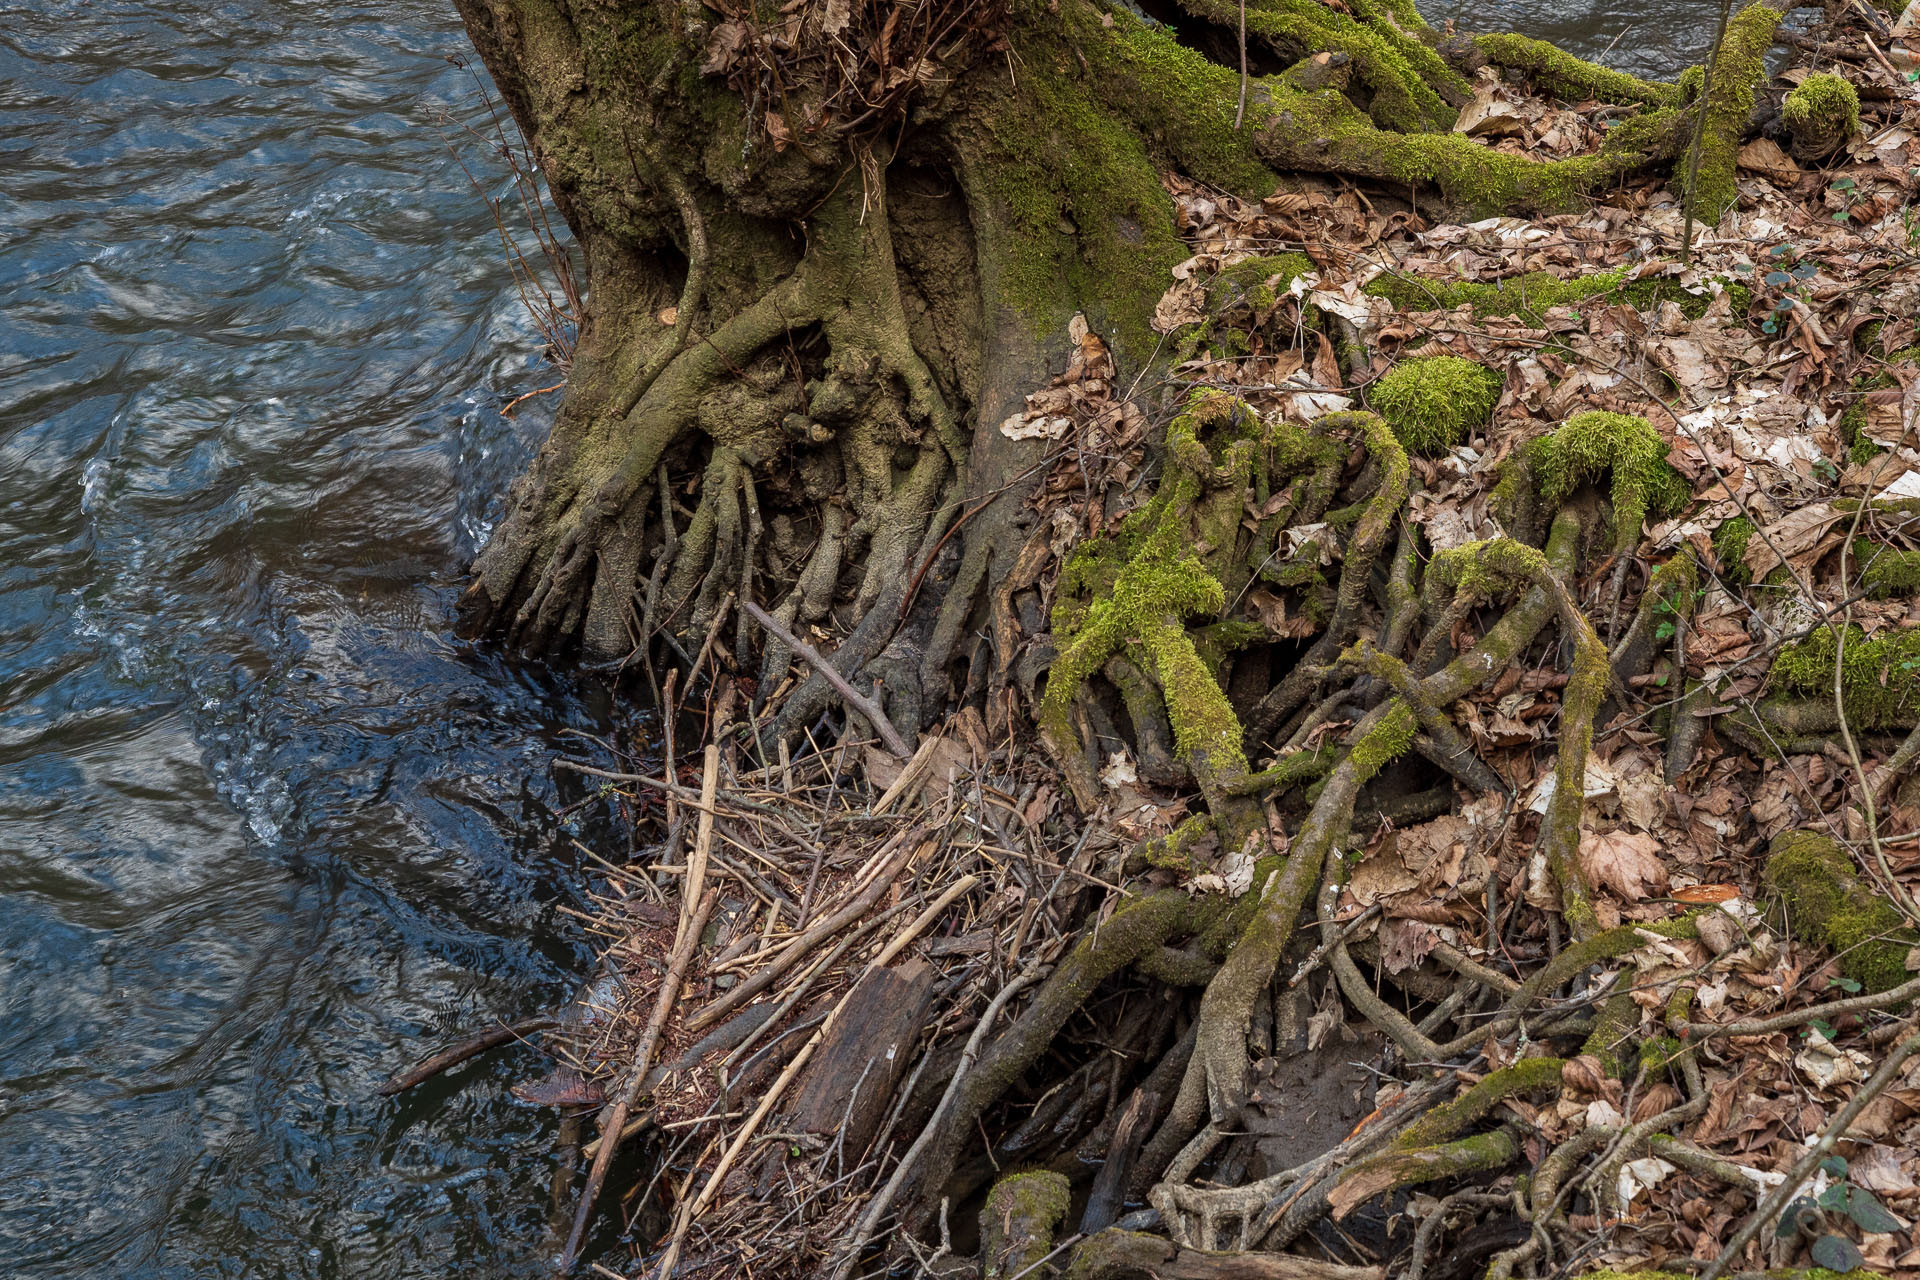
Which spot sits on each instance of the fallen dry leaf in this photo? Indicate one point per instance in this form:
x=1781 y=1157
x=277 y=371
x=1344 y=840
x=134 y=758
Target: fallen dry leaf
x=1765 y=157
x=1798 y=538
x=1627 y=862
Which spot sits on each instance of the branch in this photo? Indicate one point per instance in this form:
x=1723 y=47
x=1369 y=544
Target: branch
x=854 y=698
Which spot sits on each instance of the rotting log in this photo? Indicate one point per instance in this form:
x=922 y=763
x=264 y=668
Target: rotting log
x=850 y=1083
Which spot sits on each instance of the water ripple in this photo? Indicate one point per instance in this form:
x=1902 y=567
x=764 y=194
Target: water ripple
x=261 y=827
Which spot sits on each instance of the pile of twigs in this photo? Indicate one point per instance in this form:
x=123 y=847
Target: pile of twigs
x=773 y=1043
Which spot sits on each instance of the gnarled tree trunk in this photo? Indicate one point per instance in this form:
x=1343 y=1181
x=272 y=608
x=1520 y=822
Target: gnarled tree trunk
x=831 y=245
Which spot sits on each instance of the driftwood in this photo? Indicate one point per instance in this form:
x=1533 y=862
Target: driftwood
x=851 y=1083
x=452 y=1056
x=1109 y=1194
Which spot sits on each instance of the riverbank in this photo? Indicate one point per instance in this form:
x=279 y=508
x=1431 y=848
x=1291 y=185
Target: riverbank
x=1530 y=605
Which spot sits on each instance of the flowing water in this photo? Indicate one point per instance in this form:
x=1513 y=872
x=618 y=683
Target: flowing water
x=1651 y=38
x=264 y=831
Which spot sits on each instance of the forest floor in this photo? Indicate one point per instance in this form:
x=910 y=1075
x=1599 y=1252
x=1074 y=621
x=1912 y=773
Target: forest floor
x=817 y=948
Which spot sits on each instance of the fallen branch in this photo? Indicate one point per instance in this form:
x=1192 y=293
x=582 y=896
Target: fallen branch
x=854 y=698
x=452 y=1056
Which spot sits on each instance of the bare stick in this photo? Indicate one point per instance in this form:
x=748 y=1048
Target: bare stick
x=1694 y=1032
x=853 y=697
x=718 y=1009
x=672 y=790
x=696 y=880
x=1240 y=111
x=691 y=926
x=453 y=1055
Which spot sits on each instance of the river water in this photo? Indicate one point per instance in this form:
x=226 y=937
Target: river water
x=265 y=832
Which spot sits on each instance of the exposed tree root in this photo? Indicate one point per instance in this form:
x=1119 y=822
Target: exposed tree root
x=854 y=305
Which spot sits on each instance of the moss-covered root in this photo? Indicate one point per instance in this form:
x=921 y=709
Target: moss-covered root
x=1217 y=1074
x=1182 y=555
x=1877 y=682
x=1627 y=450
x=1443 y=743
x=1369 y=539
x=1483 y=570
x=1667 y=603
x=1565 y=76
x=1822 y=113
x=1823 y=898
x=1326 y=133
x=1739 y=68
x=1450 y=1119
x=1396 y=1169
x=1433 y=403
x=1138 y=928
x=1016 y=1226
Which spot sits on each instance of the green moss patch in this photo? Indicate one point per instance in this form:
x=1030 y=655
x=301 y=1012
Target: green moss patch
x=1529 y=297
x=1569 y=78
x=1434 y=402
x=1879 y=677
x=1626 y=448
x=1821 y=113
x=1730 y=549
x=1737 y=75
x=1823 y=898
x=1887 y=571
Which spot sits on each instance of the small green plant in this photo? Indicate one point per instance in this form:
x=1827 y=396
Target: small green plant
x=1667 y=611
x=1435 y=402
x=1815 y=1216
x=1788 y=277
x=1848 y=191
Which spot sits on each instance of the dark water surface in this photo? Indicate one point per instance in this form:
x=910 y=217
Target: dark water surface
x=1656 y=39
x=264 y=833
x=263 y=829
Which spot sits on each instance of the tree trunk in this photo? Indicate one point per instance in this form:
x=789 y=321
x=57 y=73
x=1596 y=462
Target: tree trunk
x=830 y=247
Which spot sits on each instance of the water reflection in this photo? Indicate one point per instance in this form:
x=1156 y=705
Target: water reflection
x=261 y=829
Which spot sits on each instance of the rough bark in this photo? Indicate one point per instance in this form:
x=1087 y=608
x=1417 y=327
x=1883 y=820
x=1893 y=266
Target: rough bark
x=830 y=248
